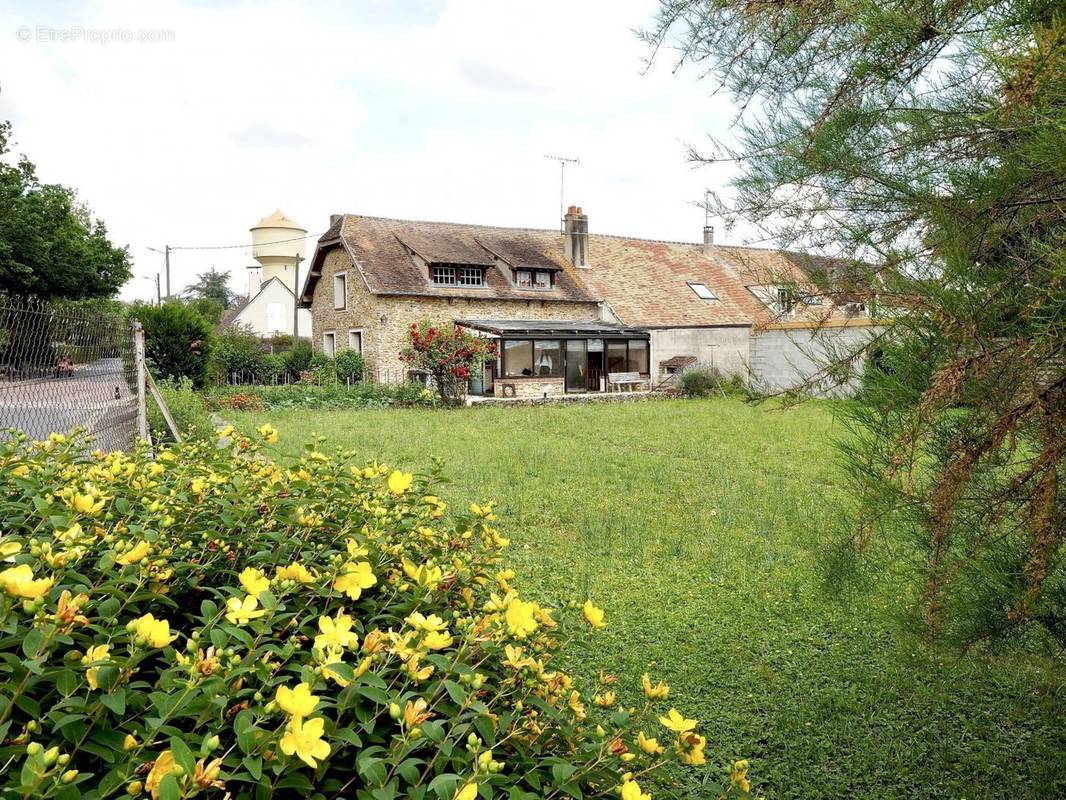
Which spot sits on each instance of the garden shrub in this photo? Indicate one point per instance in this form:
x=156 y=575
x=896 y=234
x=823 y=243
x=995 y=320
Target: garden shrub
x=449 y=354
x=187 y=409
x=240 y=401
x=209 y=622
x=350 y=365
x=323 y=369
x=707 y=381
x=177 y=341
x=238 y=351
x=309 y=395
x=298 y=358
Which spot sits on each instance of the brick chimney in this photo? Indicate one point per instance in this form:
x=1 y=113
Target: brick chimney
x=708 y=239
x=576 y=236
x=334 y=219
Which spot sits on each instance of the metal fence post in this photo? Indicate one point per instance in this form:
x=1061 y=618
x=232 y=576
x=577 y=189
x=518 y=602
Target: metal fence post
x=142 y=395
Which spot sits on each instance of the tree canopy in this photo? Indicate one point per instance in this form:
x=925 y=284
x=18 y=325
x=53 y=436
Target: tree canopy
x=211 y=285
x=51 y=247
x=924 y=141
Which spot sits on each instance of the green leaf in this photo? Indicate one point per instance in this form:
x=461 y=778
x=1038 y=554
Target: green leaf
x=32 y=642
x=169 y=789
x=371 y=768
x=254 y=765
x=444 y=785
x=115 y=701
x=456 y=692
x=182 y=754
x=561 y=772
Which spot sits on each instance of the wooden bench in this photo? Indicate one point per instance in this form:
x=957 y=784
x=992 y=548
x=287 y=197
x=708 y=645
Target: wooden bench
x=620 y=379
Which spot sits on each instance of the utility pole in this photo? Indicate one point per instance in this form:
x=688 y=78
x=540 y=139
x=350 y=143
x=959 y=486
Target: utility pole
x=166 y=263
x=166 y=260
x=296 y=302
x=563 y=161
x=158 y=292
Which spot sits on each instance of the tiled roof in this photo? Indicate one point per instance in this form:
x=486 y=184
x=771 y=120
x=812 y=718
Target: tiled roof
x=380 y=248
x=645 y=282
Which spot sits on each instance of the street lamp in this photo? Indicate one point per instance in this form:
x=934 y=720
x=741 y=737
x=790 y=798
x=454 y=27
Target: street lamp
x=158 y=294
x=165 y=252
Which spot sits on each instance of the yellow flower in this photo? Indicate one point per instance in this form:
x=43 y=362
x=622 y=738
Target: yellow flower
x=521 y=617
x=225 y=433
x=197 y=485
x=305 y=740
x=268 y=433
x=129 y=742
x=423 y=623
x=254 y=581
x=294 y=572
x=336 y=632
x=19 y=582
x=631 y=791
x=576 y=705
x=649 y=746
x=468 y=792
x=658 y=692
x=298 y=702
x=155 y=632
x=93 y=654
x=164 y=765
x=356 y=577
x=137 y=553
x=677 y=722
x=9 y=549
x=738 y=775
x=593 y=615
x=437 y=640
x=690 y=748
x=606 y=700
x=21 y=471
x=86 y=504
x=241 y=611
x=400 y=482
x=422 y=574
x=416 y=712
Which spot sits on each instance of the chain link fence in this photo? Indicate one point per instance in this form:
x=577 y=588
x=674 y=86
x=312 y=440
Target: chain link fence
x=63 y=368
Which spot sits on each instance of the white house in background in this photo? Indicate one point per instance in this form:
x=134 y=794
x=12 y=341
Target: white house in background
x=278 y=245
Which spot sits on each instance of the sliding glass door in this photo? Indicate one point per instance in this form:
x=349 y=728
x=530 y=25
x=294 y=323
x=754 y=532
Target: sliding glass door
x=576 y=365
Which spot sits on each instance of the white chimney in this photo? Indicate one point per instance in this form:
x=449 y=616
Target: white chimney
x=708 y=239
x=576 y=236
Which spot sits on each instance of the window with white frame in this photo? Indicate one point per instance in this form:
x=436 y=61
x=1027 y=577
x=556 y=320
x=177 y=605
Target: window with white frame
x=533 y=279
x=442 y=276
x=355 y=341
x=340 y=291
x=329 y=343
x=471 y=276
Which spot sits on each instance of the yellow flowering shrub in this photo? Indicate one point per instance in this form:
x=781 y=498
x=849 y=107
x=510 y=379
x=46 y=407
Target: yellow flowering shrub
x=202 y=621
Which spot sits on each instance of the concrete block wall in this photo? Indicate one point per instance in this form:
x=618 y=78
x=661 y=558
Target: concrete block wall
x=783 y=359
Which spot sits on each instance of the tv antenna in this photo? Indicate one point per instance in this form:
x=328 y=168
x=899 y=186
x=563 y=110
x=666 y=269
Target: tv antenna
x=563 y=161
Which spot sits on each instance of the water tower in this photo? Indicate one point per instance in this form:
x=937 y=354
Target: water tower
x=276 y=244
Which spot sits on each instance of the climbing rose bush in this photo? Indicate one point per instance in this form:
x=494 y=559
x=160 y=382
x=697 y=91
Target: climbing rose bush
x=451 y=355
x=202 y=621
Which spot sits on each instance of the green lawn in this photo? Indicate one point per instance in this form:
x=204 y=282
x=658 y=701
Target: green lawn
x=701 y=526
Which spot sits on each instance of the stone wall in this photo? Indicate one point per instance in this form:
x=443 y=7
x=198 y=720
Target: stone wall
x=528 y=387
x=384 y=320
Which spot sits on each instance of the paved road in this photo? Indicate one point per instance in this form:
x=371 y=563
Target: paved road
x=39 y=406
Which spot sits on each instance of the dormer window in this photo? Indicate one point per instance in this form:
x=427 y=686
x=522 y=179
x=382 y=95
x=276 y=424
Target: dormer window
x=786 y=299
x=533 y=279
x=457 y=275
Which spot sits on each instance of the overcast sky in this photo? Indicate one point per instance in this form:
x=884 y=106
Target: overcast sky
x=436 y=110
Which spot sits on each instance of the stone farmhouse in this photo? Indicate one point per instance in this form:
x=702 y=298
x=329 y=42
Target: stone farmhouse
x=572 y=310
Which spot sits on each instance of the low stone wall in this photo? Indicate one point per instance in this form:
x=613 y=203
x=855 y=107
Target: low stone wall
x=573 y=399
x=528 y=387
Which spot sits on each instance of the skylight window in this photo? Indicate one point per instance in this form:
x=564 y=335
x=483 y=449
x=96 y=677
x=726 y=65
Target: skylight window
x=702 y=291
